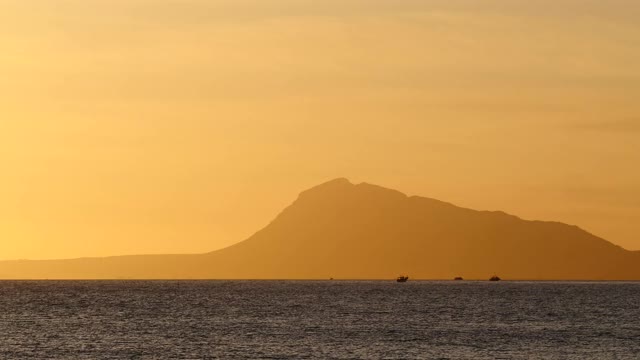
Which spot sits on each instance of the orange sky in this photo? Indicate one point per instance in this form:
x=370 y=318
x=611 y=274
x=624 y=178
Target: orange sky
x=163 y=126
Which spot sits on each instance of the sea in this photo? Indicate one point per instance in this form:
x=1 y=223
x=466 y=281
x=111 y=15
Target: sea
x=319 y=320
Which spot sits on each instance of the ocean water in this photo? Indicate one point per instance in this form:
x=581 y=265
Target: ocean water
x=319 y=319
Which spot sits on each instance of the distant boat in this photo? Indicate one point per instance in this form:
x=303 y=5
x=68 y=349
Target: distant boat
x=458 y=278
x=402 y=279
x=495 y=278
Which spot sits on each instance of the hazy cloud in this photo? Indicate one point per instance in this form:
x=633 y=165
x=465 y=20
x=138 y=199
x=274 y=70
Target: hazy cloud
x=628 y=125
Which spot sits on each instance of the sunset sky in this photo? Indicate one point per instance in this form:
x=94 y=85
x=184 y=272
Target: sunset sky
x=183 y=126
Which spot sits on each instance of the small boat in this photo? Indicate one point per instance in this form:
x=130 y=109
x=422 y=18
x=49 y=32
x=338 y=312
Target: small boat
x=402 y=279
x=458 y=278
x=495 y=278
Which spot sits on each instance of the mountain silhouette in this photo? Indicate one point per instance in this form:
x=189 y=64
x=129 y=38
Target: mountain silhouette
x=346 y=231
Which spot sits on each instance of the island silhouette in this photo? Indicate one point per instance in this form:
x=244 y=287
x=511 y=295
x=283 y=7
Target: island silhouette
x=361 y=231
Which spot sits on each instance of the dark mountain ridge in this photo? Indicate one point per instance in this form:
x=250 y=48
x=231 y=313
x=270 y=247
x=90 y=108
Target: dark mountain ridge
x=364 y=231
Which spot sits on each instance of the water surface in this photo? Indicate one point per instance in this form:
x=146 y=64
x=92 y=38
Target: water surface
x=319 y=319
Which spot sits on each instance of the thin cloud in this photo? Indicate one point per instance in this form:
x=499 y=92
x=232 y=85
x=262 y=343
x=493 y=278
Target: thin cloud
x=630 y=125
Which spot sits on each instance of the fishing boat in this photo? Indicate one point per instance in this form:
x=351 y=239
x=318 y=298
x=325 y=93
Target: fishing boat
x=402 y=279
x=495 y=278
x=458 y=278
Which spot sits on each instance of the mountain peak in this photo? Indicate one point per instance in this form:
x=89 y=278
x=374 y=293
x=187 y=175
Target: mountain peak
x=339 y=184
x=342 y=188
x=342 y=181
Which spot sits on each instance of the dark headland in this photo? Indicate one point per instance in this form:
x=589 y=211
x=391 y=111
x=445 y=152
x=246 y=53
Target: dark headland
x=364 y=231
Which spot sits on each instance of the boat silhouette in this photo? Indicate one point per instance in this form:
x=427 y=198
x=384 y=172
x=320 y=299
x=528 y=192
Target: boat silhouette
x=495 y=278
x=402 y=279
x=458 y=278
